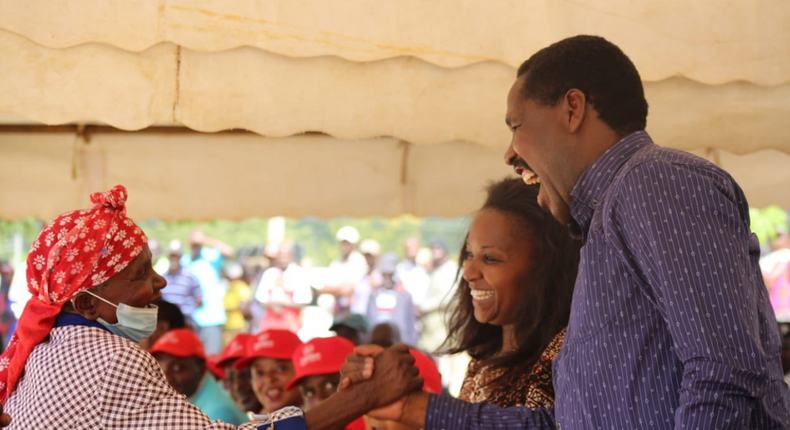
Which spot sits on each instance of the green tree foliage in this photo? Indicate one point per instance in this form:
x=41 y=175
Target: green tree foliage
x=315 y=236
x=27 y=229
x=768 y=222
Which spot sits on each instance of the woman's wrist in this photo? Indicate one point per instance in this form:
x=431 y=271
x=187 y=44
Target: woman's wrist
x=415 y=408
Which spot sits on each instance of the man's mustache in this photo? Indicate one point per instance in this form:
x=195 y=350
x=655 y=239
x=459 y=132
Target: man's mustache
x=517 y=161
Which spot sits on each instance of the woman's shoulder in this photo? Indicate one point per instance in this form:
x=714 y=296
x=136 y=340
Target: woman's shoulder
x=539 y=391
x=99 y=345
x=553 y=348
x=534 y=388
x=474 y=366
x=87 y=337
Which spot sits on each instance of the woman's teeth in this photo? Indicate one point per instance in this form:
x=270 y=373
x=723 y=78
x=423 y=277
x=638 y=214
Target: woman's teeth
x=482 y=294
x=529 y=177
x=274 y=392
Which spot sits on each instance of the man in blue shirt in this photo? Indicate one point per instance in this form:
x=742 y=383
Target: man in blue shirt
x=671 y=326
x=183 y=289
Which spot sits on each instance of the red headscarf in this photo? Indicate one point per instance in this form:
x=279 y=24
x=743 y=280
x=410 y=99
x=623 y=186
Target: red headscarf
x=77 y=251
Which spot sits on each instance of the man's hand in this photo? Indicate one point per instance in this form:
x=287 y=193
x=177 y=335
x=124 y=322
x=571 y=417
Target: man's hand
x=393 y=412
x=359 y=365
x=393 y=377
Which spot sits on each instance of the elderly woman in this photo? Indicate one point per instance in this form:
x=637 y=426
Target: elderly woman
x=74 y=361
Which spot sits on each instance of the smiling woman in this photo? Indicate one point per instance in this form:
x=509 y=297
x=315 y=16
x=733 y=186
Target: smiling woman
x=268 y=357
x=513 y=299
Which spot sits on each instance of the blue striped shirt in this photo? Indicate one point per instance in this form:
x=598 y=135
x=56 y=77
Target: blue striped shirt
x=670 y=326
x=183 y=290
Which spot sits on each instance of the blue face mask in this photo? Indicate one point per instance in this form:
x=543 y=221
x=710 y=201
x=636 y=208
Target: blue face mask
x=135 y=324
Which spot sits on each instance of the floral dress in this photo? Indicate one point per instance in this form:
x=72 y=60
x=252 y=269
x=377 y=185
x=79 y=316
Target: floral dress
x=532 y=389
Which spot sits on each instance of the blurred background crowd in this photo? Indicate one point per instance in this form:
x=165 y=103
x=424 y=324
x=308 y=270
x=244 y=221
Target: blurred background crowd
x=346 y=284
x=367 y=293
x=355 y=287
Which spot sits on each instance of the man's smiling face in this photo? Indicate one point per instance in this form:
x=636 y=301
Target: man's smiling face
x=536 y=149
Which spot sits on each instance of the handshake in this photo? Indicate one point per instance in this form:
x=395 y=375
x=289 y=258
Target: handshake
x=389 y=382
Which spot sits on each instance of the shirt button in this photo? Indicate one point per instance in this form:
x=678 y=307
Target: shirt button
x=596 y=203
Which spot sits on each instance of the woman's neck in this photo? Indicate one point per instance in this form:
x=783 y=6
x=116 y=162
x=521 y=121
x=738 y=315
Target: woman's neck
x=508 y=339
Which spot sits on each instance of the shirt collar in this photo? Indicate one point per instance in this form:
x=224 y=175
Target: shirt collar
x=589 y=191
x=68 y=319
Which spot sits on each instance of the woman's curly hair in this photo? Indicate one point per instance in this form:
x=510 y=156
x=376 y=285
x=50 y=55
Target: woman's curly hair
x=545 y=308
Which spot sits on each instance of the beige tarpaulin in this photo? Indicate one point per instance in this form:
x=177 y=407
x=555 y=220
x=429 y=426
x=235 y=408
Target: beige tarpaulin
x=711 y=41
x=408 y=98
x=207 y=176
x=402 y=97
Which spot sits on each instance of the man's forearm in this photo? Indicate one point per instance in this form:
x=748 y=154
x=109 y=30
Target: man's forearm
x=337 y=411
x=223 y=248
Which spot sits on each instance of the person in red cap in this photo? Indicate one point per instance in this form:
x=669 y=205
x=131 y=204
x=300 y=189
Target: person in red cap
x=215 y=369
x=182 y=357
x=74 y=361
x=269 y=358
x=317 y=364
x=238 y=382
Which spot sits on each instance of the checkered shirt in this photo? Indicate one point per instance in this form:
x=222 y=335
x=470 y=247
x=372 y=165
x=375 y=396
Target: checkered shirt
x=87 y=378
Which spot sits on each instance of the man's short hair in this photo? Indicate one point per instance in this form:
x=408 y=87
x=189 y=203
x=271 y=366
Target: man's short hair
x=599 y=69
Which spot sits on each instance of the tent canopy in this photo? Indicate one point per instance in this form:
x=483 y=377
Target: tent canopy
x=405 y=100
x=234 y=176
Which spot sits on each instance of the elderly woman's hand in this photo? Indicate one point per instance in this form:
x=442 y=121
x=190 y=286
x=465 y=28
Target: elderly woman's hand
x=359 y=365
x=5 y=419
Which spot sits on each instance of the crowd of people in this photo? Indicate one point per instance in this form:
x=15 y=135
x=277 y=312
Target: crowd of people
x=615 y=284
x=220 y=298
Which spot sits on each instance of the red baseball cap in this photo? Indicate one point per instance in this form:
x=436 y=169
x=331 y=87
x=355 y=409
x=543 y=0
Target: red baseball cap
x=181 y=342
x=432 y=379
x=212 y=363
x=279 y=344
x=320 y=356
x=235 y=350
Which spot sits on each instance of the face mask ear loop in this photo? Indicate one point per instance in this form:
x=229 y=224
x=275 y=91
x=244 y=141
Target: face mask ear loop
x=102 y=299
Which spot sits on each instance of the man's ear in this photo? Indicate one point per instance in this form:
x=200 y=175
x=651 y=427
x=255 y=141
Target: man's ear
x=575 y=106
x=85 y=305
